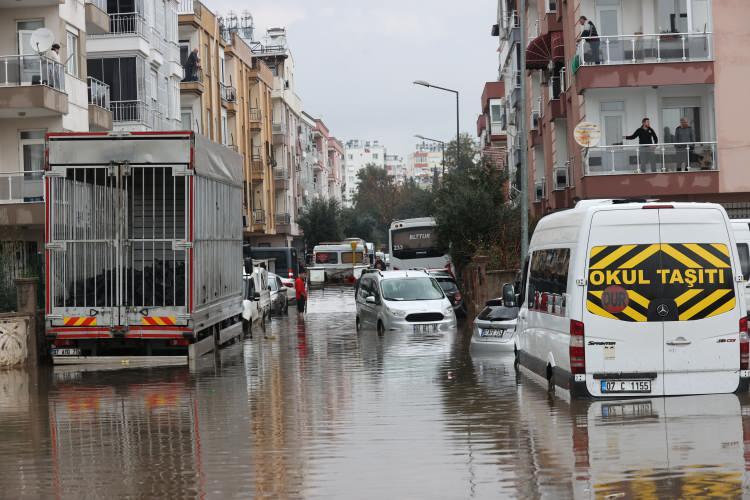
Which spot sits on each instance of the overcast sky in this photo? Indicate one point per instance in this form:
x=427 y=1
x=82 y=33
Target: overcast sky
x=356 y=60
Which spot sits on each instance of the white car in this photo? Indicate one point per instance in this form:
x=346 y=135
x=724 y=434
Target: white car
x=403 y=300
x=496 y=326
x=256 y=301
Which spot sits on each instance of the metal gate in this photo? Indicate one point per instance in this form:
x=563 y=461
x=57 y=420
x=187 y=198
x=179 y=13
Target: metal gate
x=117 y=245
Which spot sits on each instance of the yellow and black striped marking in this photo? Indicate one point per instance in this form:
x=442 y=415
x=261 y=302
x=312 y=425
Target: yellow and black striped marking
x=660 y=282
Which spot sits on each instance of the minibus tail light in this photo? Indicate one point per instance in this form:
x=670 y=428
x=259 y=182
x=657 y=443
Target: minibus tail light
x=744 y=345
x=577 y=348
x=656 y=207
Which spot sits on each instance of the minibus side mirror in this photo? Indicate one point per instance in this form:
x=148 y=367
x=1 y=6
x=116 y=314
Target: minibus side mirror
x=370 y=299
x=256 y=296
x=509 y=295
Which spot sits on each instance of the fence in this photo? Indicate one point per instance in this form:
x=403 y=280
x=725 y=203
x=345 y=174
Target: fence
x=19 y=259
x=98 y=93
x=637 y=159
x=22 y=186
x=638 y=49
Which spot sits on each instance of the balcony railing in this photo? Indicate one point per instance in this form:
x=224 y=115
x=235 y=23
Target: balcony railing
x=130 y=111
x=228 y=93
x=536 y=113
x=98 y=93
x=195 y=76
x=18 y=71
x=280 y=173
x=255 y=114
x=259 y=216
x=278 y=128
x=185 y=7
x=125 y=24
x=540 y=189
x=639 y=49
x=102 y=4
x=19 y=187
x=282 y=219
x=256 y=155
x=650 y=158
x=561 y=177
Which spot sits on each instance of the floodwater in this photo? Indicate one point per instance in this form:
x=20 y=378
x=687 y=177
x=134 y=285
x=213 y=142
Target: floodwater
x=320 y=411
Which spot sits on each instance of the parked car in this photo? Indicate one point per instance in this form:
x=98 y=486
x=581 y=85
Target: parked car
x=279 y=300
x=403 y=300
x=291 y=295
x=256 y=303
x=495 y=325
x=450 y=287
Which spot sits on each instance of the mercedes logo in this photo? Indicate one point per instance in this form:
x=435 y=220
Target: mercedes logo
x=662 y=310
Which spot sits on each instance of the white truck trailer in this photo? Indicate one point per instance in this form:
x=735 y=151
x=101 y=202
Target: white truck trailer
x=143 y=244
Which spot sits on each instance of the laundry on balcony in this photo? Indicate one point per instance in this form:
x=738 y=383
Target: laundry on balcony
x=545 y=48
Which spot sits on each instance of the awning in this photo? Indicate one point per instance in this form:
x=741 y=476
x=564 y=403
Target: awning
x=558 y=46
x=539 y=52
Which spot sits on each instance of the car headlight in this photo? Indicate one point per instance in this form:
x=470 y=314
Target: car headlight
x=397 y=313
x=448 y=310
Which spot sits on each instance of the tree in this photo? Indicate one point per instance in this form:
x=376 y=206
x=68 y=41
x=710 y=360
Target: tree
x=472 y=215
x=320 y=221
x=413 y=201
x=376 y=196
x=355 y=224
x=468 y=153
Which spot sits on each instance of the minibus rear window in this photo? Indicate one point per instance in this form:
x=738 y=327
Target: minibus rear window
x=744 y=252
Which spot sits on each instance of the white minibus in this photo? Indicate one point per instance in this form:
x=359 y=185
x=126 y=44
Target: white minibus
x=631 y=299
x=741 y=228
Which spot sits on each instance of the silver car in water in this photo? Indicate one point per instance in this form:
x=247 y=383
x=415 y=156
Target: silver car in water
x=411 y=301
x=495 y=326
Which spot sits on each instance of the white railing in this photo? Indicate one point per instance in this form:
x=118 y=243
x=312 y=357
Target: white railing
x=130 y=111
x=513 y=21
x=102 y=4
x=98 y=93
x=125 y=24
x=17 y=187
x=228 y=93
x=255 y=114
x=536 y=113
x=259 y=216
x=185 y=7
x=540 y=189
x=639 y=49
x=282 y=219
x=19 y=71
x=561 y=179
x=278 y=127
x=650 y=158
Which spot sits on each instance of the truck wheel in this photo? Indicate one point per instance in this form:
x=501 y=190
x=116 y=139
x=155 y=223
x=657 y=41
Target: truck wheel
x=358 y=324
x=381 y=328
x=247 y=328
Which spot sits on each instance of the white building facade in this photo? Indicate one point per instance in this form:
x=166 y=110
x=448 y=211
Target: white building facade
x=357 y=155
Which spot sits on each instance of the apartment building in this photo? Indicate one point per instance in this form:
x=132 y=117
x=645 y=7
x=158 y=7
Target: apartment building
x=491 y=125
x=658 y=59
x=308 y=180
x=139 y=59
x=396 y=168
x=336 y=173
x=41 y=92
x=359 y=154
x=425 y=164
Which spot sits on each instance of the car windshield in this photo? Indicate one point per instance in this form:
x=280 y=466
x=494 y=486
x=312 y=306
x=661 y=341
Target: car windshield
x=498 y=313
x=448 y=286
x=273 y=284
x=411 y=289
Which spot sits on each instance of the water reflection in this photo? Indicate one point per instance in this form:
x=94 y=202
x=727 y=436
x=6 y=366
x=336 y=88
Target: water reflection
x=321 y=411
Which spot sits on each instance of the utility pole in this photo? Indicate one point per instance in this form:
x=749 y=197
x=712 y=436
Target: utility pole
x=523 y=137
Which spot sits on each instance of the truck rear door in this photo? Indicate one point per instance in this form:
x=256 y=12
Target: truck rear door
x=701 y=330
x=623 y=338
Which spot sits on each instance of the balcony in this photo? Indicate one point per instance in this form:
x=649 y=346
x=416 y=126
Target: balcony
x=656 y=59
x=281 y=178
x=22 y=187
x=556 y=98
x=125 y=24
x=283 y=222
x=97 y=19
x=279 y=131
x=257 y=168
x=193 y=84
x=255 y=119
x=639 y=159
x=540 y=190
x=100 y=112
x=561 y=177
x=228 y=95
x=31 y=86
x=129 y=113
x=259 y=216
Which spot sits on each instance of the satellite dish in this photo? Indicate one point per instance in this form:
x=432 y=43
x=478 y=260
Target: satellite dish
x=41 y=40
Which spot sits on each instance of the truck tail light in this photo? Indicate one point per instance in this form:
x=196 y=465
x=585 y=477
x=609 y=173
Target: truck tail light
x=577 y=348
x=744 y=345
x=179 y=342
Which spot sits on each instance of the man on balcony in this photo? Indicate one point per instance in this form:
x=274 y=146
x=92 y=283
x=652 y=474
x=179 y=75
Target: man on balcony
x=646 y=137
x=684 y=134
x=591 y=36
x=192 y=65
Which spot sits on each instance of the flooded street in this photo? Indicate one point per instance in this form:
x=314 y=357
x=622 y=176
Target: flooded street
x=320 y=411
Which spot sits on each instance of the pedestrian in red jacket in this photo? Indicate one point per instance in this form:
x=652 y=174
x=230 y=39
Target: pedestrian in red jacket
x=301 y=292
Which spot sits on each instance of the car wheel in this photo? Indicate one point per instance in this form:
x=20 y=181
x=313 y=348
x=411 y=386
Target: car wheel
x=358 y=324
x=286 y=308
x=247 y=328
x=263 y=322
x=381 y=328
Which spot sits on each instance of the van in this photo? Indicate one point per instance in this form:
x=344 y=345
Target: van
x=632 y=299
x=256 y=300
x=741 y=228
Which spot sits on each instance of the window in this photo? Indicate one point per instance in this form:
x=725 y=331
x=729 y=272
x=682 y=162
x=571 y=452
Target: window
x=496 y=112
x=327 y=258
x=672 y=16
x=186 y=117
x=400 y=289
x=71 y=63
x=31 y=152
x=548 y=281
x=224 y=128
x=744 y=251
x=374 y=156
x=184 y=51
x=674 y=108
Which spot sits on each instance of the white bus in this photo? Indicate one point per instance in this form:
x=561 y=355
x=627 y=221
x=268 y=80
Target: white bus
x=413 y=243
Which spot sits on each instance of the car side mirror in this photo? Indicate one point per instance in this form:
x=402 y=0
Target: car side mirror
x=270 y=289
x=256 y=296
x=370 y=299
x=509 y=295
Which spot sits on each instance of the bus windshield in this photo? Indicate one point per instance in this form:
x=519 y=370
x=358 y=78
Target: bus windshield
x=415 y=242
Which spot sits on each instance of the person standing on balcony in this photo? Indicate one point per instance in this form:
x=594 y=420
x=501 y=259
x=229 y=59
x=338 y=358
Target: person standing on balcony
x=592 y=38
x=192 y=65
x=646 y=136
x=684 y=134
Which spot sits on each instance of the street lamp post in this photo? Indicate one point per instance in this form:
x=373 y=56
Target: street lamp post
x=458 y=128
x=442 y=147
